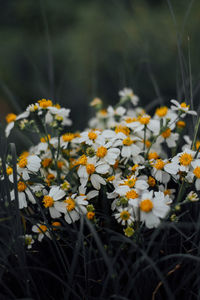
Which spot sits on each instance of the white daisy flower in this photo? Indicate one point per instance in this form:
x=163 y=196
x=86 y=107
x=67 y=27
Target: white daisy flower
x=28 y=164
x=55 y=194
x=73 y=207
x=152 y=209
x=24 y=194
x=183 y=108
x=41 y=230
x=127 y=94
x=124 y=216
x=145 y=120
x=91 y=170
x=194 y=174
x=158 y=171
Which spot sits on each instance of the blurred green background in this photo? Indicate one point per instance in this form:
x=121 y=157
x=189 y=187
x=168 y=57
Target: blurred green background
x=74 y=50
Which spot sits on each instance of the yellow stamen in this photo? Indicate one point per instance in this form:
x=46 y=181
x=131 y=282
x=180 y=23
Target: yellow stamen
x=90 y=168
x=196 y=172
x=101 y=152
x=70 y=204
x=185 y=159
x=22 y=162
x=132 y=194
x=10 y=118
x=9 y=170
x=127 y=141
x=67 y=137
x=159 y=164
x=151 y=181
x=21 y=186
x=90 y=215
x=166 y=133
x=125 y=215
x=92 y=135
x=162 y=111
x=48 y=201
x=45 y=103
x=146 y=205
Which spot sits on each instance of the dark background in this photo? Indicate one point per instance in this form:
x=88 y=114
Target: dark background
x=74 y=50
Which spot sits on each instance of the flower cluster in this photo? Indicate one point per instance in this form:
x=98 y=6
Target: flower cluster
x=135 y=164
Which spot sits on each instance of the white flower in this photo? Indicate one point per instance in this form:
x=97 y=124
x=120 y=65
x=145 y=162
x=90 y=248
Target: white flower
x=127 y=94
x=152 y=209
x=41 y=230
x=55 y=194
x=23 y=194
x=194 y=174
x=89 y=171
x=183 y=108
x=169 y=137
x=72 y=207
x=124 y=216
x=145 y=120
x=28 y=240
x=180 y=162
x=158 y=170
x=28 y=164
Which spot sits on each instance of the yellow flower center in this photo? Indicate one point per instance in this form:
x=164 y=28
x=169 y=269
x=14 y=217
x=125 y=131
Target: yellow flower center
x=122 y=129
x=9 y=170
x=130 y=182
x=48 y=201
x=144 y=119
x=125 y=215
x=21 y=186
x=56 y=224
x=22 y=162
x=184 y=105
x=70 y=204
x=10 y=118
x=159 y=164
x=196 y=172
x=151 y=181
x=132 y=194
x=130 y=120
x=111 y=178
x=60 y=164
x=147 y=143
x=197 y=144
x=45 y=103
x=167 y=192
x=134 y=168
x=90 y=168
x=115 y=166
x=153 y=155
x=92 y=135
x=42 y=228
x=67 y=137
x=180 y=124
x=103 y=112
x=45 y=139
x=127 y=141
x=161 y=111
x=46 y=162
x=65 y=186
x=185 y=159
x=101 y=152
x=90 y=215
x=82 y=160
x=146 y=205
x=166 y=133
x=50 y=176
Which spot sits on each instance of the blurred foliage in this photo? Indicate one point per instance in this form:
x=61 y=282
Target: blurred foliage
x=72 y=51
